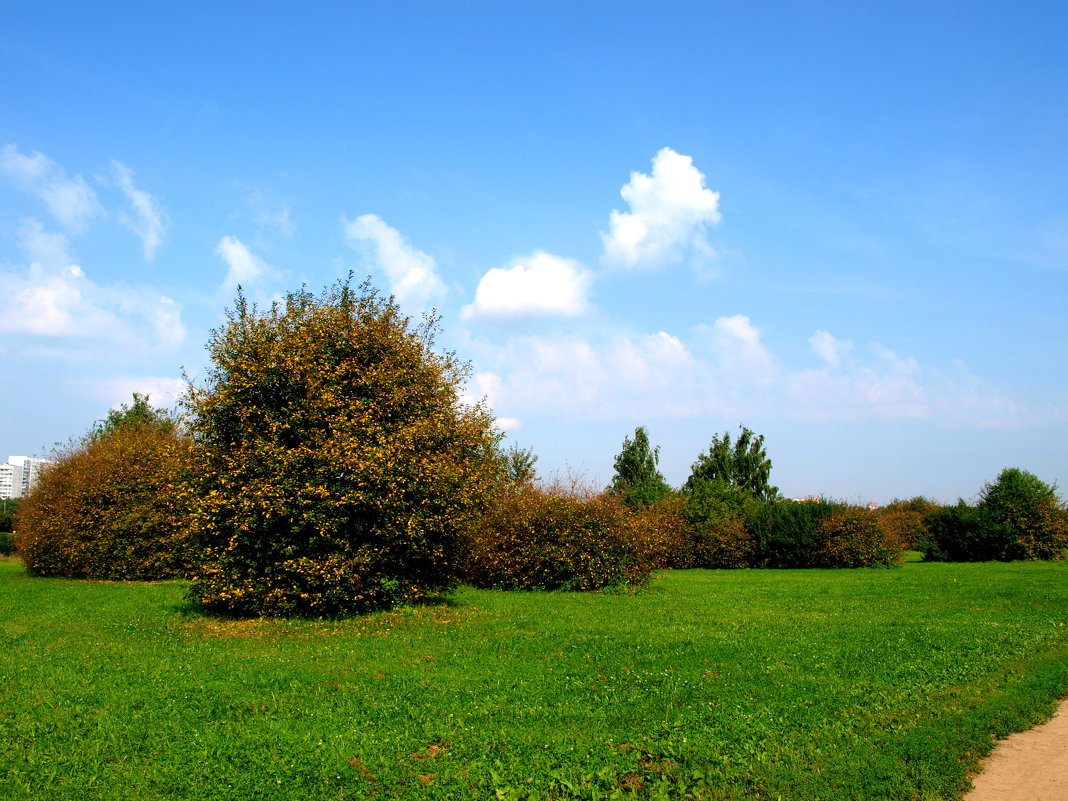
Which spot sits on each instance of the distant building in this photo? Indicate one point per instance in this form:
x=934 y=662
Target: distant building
x=7 y=481
x=19 y=475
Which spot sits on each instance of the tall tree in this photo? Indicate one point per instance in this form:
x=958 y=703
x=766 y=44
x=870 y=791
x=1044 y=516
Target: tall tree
x=637 y=478
x=741 y=463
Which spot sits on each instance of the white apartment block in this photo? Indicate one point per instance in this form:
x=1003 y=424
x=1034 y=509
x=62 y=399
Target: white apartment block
x=19 y=475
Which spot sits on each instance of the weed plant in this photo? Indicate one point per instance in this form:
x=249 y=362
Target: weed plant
x=744 y=684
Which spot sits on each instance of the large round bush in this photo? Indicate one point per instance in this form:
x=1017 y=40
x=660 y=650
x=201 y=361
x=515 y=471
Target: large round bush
x=336 y=465
x=111 y=507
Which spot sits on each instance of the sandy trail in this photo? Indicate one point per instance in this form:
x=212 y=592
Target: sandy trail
x=1027 y=766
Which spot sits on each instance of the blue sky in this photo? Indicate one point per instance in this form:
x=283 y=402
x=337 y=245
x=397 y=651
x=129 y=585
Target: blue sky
x=844 y=225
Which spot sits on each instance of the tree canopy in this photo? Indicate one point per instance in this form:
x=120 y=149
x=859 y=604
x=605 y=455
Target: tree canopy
x=637 y=477
x=741 y=463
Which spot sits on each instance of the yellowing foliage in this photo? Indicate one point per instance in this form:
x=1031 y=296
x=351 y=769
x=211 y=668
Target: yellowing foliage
x=113 y=507
x=854 y=536
x=569 y=537
x=336 y=466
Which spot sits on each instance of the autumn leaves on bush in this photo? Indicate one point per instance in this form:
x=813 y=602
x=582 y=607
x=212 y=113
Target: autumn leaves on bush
x=327 y=465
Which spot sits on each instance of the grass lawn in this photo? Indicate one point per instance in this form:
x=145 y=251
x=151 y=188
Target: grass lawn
x=850 y=684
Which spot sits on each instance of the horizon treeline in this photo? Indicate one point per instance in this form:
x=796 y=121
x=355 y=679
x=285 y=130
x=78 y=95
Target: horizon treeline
x=327 y=466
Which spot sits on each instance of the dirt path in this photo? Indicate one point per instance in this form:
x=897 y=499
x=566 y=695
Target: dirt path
x=1028 y=766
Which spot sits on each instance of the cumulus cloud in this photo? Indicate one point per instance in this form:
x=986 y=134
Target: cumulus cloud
x=52 y=297
x=481 y=387
x=540 y=285
x=670 y=211
x=412 y=274
x=147 y=219
x=71 y=201
x=486 y=387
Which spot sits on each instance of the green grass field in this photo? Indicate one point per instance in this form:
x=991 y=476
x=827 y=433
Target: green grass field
x=851 y=684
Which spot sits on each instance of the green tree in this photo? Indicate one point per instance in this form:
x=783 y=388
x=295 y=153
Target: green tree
x=742 y=463
x=637 y=478
x=337 y=468
x=1024 y=515
x=140 y=412
x=517 y=465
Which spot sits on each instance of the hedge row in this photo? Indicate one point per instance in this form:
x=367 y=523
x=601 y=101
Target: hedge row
x=117 y=507
x=571 y=538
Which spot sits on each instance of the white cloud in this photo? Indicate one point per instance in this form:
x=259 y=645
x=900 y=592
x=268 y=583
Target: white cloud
x=738 y=348
x=725 y=372
x=149 y=220
x=830 y=349
x=52 y=297
x=162 y=392
x=270 y=214
x=486 y=387
x=71 y=201
x=669 y=213
x=885 y=387
x=244 y=267
x=542 y=284
x=278 y=219
x=411 y=273
x=481 y=386
x=579 y=378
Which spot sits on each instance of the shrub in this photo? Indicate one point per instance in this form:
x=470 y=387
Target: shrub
x=958 y=534
x=336 y=466
x=7 y=543
x=724 y=543
x=716 y=512
x=906 y=521
x=785 y=531
x=559 y=537
x=111 y=507
x=1025 y=517
x=662 y=535
x=1017 y=517
x=854 y=537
